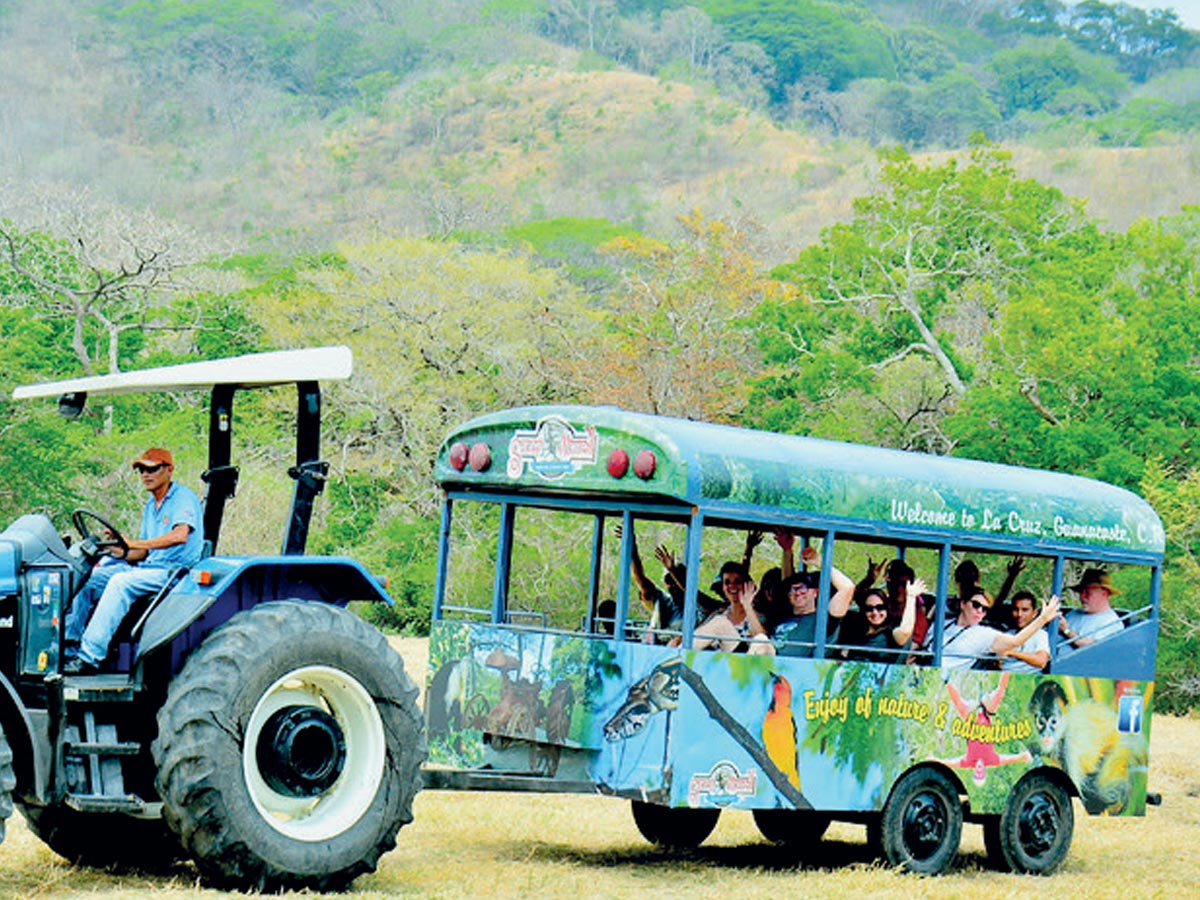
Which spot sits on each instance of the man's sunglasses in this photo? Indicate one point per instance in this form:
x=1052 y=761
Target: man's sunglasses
x=975 y=603
x=149 y=470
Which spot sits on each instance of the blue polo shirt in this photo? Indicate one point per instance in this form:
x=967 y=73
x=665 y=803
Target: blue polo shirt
x=180 y=506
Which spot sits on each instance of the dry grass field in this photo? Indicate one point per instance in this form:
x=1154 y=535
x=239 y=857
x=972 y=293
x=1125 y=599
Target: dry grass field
x=493 y=847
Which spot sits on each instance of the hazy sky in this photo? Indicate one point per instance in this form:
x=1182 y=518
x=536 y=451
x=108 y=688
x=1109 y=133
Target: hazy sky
x=1189 y=10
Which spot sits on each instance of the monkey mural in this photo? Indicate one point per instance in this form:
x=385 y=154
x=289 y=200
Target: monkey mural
x=1082 y=739
x=447 y=698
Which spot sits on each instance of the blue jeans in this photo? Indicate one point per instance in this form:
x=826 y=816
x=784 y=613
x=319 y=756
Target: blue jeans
x=118 y=586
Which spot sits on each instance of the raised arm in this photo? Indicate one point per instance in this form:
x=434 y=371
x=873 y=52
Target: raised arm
x=759 y=642
x=1015 y=567
x=787 y=543
x=869 y=580
x=1006 y=642
x=647 y=589
x=753 y=539
x=677 y=577
x=902 y=632
x=843 y=587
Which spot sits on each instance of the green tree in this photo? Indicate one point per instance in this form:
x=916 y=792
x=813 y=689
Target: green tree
x=886 y=330
x=839 y=42
x=1036 y=73
x=109 y=299
x=573 y=244
x=38 y=450
x=1094 y=357
x=1143 y=41
x=921 y=54
x=320 y=50
x=1176 y=497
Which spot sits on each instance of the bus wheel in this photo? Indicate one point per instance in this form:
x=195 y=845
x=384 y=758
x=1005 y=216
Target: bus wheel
x=674 y=828
x=799 y=827
x=1033 y=834
x=921 y=823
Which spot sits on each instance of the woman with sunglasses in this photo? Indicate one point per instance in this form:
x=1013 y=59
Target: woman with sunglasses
x=881 y=635
x=966 y=639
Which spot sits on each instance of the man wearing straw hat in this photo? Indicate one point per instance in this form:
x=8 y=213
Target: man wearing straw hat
x=1095 y=619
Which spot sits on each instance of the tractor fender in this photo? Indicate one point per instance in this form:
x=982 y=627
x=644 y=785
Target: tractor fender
x=219 y=587
x=28 y=735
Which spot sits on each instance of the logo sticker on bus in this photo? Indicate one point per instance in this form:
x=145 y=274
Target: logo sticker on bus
x=721 y=786
x=552 y=450
x=1130 y=710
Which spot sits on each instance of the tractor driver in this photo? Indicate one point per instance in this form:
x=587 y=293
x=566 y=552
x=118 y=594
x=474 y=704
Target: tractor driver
x=170 y=536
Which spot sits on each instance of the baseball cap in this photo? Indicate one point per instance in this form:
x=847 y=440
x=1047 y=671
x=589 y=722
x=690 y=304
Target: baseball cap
x=155 y=456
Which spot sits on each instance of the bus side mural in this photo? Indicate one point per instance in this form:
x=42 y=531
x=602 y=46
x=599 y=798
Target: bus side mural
x=759 y=732
x=561 y=661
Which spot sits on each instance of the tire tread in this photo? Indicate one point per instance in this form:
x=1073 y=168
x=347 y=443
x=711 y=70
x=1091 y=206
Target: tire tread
x=197 y=713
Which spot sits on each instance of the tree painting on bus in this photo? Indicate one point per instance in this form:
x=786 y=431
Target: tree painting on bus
x=525 y=691
x=731 y=730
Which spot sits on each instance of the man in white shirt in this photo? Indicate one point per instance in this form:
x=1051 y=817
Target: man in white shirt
x=966 y=638
x=1033 y=655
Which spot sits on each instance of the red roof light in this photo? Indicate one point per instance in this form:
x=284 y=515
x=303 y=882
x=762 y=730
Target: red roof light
x=644 y=464
x=618 y=463
x=480 y=457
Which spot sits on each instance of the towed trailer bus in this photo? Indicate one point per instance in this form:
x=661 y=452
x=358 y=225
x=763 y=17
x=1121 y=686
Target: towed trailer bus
x=550 y=672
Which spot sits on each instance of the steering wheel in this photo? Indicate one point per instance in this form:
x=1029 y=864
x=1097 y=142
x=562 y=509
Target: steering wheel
x=93 y=544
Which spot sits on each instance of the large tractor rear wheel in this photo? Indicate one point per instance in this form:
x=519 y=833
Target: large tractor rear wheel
x=289 y=749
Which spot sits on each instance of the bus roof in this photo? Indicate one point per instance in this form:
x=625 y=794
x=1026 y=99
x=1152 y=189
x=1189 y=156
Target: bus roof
x=729 y=471
x=249 y=371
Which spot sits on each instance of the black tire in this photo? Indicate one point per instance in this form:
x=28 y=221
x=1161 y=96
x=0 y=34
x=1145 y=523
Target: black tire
x=921 y=824
x=8 y=782
x=1033 y=834
x=289 y=749
x=792 y=827
x=674 y=828
x=105 y=840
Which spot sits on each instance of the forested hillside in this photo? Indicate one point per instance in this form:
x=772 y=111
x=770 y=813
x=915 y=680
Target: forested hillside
x=291 y=125
x=956 y=227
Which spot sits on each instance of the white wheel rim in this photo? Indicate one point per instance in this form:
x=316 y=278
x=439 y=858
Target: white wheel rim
x=345 y=801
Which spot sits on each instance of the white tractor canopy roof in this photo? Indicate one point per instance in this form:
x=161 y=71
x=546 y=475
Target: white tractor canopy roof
x=250 y=371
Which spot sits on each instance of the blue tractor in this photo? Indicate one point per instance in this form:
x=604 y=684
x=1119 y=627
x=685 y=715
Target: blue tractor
x=247 y=719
